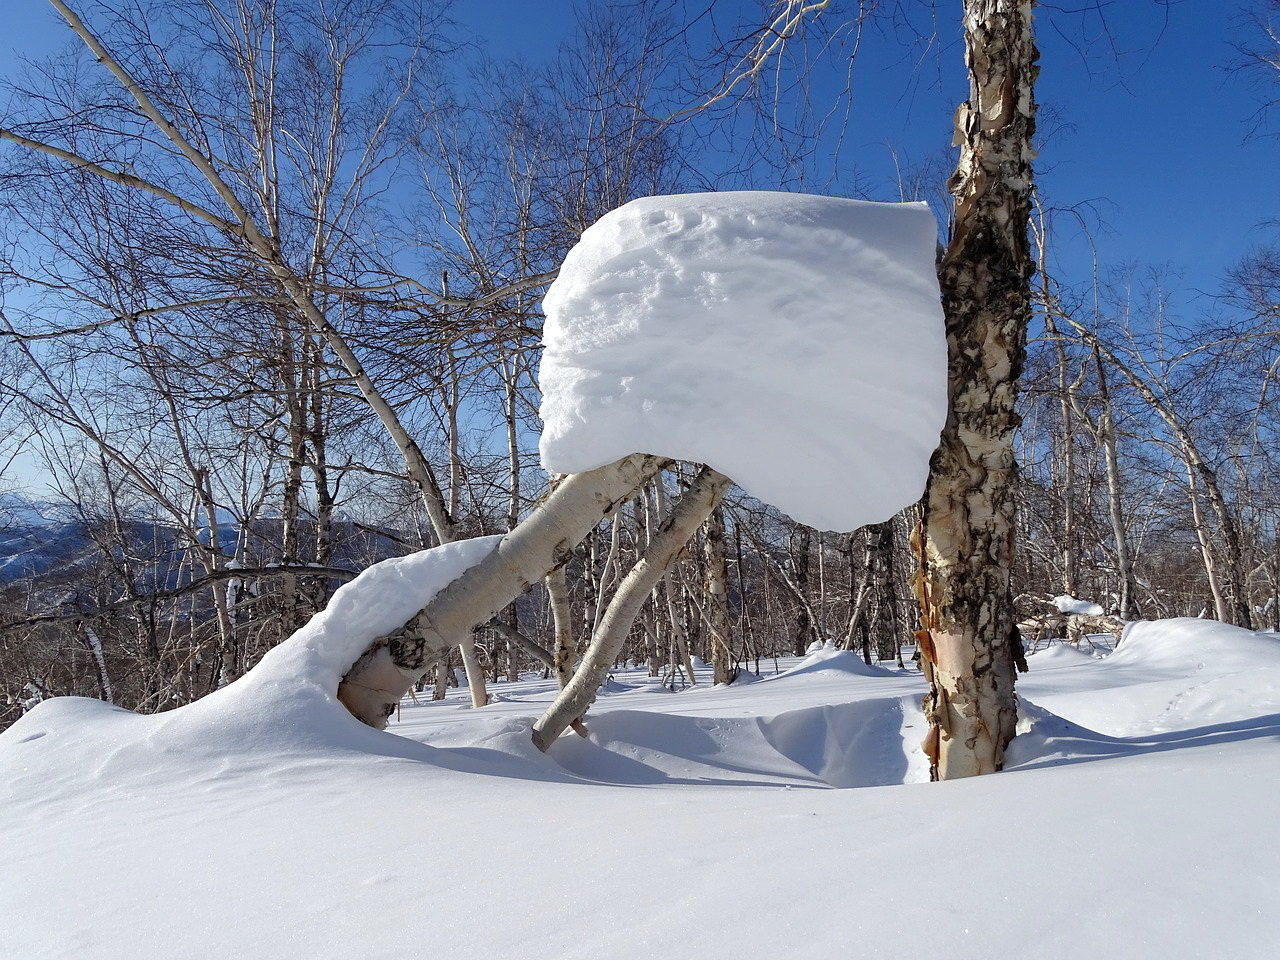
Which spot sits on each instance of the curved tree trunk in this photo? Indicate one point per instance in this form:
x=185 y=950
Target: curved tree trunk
x=374 y=685
x=969 y=644
x=708 y=489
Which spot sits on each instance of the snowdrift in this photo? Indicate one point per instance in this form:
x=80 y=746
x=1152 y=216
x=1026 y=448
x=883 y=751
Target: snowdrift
x=1185 y=641
x=286 y=702
x=825 y=662
x=858 y=744
x=1166 y=675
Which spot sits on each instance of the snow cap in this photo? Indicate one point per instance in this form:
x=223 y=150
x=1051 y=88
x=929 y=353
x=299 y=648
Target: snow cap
x=792 y=342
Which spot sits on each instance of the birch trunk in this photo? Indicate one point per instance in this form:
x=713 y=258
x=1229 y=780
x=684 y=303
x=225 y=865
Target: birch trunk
x=697 y=504
x=374 y=685
x=716 y=597
x=1068 y=482
x=1236 y=609
x=1220 y=608
x=644 y=534
x=678 y=635
x=969 y=642
x=1106 y=433
x=561 y=617
x=265 y=245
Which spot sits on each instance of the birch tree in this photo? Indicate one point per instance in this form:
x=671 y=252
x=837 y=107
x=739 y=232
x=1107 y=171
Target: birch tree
x=969 y=644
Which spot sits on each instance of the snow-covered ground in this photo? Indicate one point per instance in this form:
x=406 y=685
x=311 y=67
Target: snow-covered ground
x=1137 y=820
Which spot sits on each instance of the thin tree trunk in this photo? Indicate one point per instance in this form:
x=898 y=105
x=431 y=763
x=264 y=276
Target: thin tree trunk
x=1221 y=609
x=804 y=615
x=1238 y=608
x=678 y=635
x=716 y=598
x=1067 y=485
x=644 y=534
x=1107 y=438
x=561 y=617
x=702 y=497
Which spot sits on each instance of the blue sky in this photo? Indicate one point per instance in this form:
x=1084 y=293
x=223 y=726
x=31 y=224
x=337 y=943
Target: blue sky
x=1146 y=122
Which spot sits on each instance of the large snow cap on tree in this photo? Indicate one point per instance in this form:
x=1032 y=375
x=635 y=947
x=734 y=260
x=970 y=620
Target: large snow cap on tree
x=793 y=342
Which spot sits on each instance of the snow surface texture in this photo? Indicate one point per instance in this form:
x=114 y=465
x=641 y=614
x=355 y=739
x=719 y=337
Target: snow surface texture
x=1137 y=821
x=793 y=342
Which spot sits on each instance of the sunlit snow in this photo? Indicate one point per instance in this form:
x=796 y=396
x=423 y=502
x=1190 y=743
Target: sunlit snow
x=793 y=342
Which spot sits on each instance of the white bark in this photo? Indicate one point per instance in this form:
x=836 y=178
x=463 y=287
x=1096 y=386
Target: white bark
x=542 y=542
x=695 y=506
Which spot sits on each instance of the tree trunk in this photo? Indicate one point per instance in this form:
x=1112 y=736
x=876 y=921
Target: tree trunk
x=564 y=654
x=716 y=598
x=1068 y=482
x=644 y=535
x=969 y=643
x=1221 y=609
x=374 y=685
x=1236 y=610
x=679 y=637
x=702 y=497
x=804 y=620
x=1107 y=437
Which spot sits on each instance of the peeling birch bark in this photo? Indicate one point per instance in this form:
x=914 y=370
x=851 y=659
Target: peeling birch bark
x=969 y=643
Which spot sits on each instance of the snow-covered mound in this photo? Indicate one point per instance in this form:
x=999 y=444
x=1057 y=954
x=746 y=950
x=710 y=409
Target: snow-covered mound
x=793 y=342
x=285 y=703
x=1189 y=642
x=1059 y=654
x=1176 y=674
x=827 y=661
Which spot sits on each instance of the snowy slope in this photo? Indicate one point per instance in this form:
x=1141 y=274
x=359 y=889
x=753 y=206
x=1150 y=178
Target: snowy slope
x=780 y=338
x=699 y=823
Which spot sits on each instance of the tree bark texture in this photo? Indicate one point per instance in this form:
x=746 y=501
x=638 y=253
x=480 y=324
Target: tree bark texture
x=716 y=597
x=804 y=618
x=969 y=643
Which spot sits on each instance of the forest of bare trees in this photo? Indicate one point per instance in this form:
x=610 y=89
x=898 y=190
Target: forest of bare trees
x=270 y=320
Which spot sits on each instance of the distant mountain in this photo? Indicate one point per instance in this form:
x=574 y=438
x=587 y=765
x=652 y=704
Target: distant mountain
x=39 y=539
x=34 y=538
x=17 y=510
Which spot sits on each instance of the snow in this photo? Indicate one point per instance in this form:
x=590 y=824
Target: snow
x=285 y=703
x=715 y=822
x=793 y=342
x=1073 y=607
